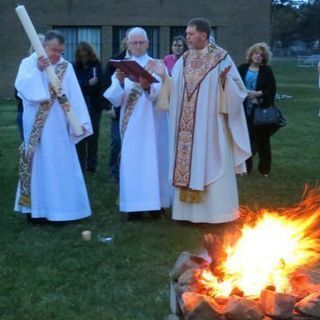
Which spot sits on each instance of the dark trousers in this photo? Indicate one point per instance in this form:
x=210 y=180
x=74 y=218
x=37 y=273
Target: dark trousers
x=115 y=149
x=260 y=144
x=87 y=148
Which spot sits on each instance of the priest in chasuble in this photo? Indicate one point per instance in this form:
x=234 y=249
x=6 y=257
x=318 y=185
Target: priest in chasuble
x=209 y=140
x=51 y=184
x=144 y=161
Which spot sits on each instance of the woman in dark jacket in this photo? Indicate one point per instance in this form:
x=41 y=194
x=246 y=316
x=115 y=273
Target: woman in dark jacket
x=260 y=83
x=89 y=74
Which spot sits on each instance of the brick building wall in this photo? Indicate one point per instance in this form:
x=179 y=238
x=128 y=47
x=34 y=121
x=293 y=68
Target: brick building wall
x=238 y=24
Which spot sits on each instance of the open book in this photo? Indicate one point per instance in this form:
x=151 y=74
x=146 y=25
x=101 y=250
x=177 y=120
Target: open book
x=133 y=70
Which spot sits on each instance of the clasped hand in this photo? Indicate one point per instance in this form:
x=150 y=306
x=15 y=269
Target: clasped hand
x=144 y=83
x=42 y=63
x=93 y=81
x=120 y=75
x=252 y=94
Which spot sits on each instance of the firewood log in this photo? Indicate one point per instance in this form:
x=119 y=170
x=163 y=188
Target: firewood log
x=275 y=304
x=184 y=262
x=242 y=309
x=310 y=305
x=216 y=252
x=198 y=306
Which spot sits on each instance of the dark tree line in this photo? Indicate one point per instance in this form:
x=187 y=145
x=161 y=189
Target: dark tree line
x=296 y=23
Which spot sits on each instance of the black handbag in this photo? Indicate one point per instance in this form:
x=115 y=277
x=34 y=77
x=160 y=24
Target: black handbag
x=270 y=119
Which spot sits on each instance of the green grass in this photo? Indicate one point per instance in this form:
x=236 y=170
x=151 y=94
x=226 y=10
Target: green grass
x=48 y=272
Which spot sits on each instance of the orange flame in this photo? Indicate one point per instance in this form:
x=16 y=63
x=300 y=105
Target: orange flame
x=268 y=252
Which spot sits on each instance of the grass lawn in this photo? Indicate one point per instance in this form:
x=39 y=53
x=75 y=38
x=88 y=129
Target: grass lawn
x=48 y=272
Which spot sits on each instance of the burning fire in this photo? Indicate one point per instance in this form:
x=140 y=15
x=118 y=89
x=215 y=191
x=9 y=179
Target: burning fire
x=267 y=253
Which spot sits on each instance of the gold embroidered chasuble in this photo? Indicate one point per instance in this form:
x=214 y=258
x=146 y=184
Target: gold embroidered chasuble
x=27 y=151
x=197 y=65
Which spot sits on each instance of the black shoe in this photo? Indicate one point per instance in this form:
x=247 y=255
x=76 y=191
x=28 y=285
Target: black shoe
x=29 y=219
x=157 y=214
x=134 y=216
x=35 y=221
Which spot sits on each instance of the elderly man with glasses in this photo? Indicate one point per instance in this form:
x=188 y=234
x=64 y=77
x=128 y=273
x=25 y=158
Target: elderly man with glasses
x=143 y=181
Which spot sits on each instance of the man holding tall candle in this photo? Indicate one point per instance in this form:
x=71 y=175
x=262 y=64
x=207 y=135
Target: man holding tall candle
x=51 y=182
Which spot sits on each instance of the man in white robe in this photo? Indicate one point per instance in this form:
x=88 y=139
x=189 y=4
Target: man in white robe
x=144 y=184
x=209 y=140
x=57 y=190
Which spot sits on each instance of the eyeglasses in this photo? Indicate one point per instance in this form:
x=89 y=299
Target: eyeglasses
x=135 y=43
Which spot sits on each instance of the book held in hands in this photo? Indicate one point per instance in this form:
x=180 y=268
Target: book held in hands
x=133 y=70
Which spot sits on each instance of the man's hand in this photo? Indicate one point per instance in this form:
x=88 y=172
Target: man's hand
x=144 y=84
x=120 y=75
x=42 y=63
x=223 y=75
x=157 y=67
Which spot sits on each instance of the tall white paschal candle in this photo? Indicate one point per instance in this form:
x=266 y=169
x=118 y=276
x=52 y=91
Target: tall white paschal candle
x=38 y=48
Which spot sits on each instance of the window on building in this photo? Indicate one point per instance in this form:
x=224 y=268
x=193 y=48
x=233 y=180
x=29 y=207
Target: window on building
x=119 y=32
x=74 y=35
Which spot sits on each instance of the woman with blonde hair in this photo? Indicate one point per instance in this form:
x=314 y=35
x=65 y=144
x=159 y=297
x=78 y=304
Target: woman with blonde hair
x=260 y=83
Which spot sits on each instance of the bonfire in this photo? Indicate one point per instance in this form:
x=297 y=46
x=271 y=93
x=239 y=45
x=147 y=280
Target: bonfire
x=269 y=271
